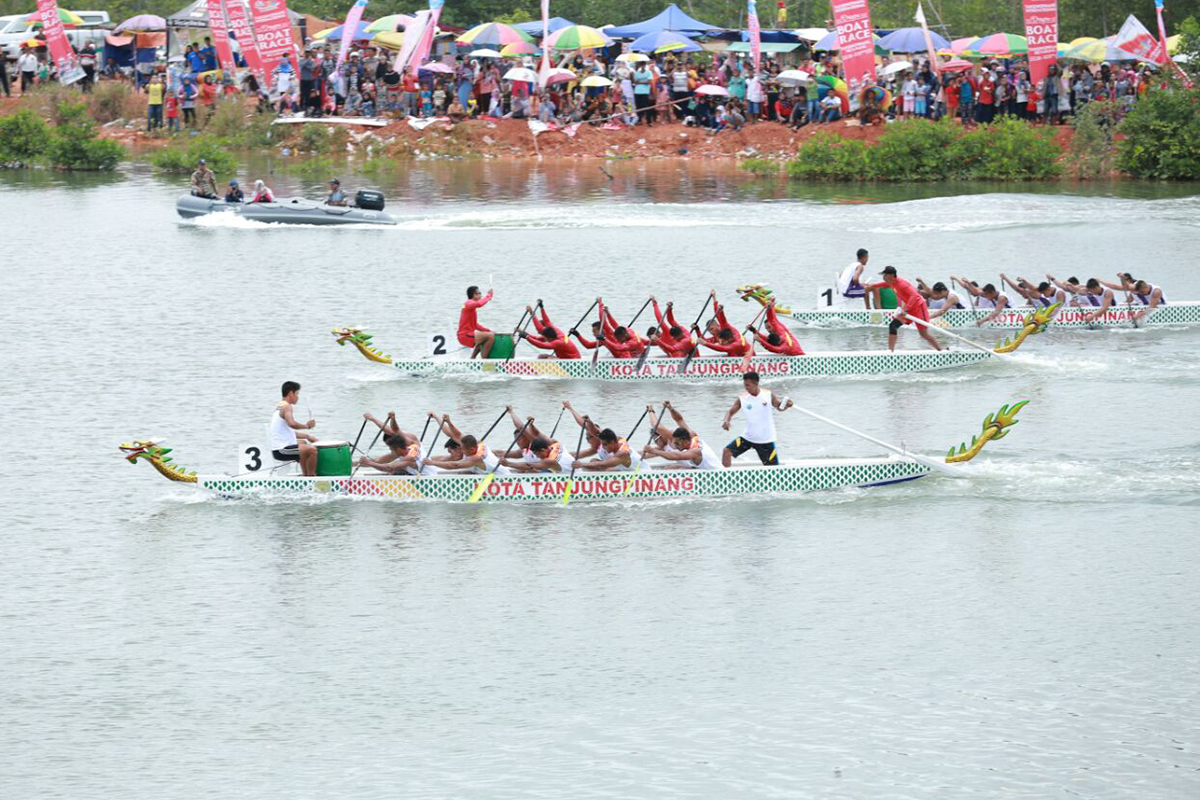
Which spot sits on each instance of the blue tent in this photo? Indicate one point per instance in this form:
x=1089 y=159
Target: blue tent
x=670 y=18
x=534 y=28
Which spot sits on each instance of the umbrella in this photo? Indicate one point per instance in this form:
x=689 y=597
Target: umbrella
x=560 y=75
x=810 y=34
x=522 y=74
x=830 y=42
x=493 y=34
x=910 y=40
x=142 y=23
x=1095 y=51
x=828 y=83
x=877 y=93
x=664 y=41
x=1173 y=43
x=32 y=43
x=360 y=33
x=792 y=77
x=576 y=37
x=390 y=24
x=64 y=16
x=485 y=52
x=1082 y=40
x=389 y=41
x=896 y=66
x=956 y=65
x=595 y=80
x=999 y=44
x=519 y=49
x=713 y=89
x=633 y=58
x=436 y=66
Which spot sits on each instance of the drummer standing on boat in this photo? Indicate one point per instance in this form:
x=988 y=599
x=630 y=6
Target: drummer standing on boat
x=912 y=306
x=756 y=405
x=470 y=332
x=285 y=443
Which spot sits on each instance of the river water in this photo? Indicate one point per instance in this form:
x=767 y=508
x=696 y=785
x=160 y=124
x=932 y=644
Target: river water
x=1028 y=633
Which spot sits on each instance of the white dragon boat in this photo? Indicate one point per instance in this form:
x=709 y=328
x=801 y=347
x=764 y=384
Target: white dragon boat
x=789 y=479
x=1183 y=313
x=844 y=363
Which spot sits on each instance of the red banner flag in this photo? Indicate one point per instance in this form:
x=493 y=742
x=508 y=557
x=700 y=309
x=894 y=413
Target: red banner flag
x=65 y=60
x=1134 y=39
x=1041 y=30
x=220 y=34
x=273 y=34
x=239 y=23
x=755 y=34
x=856 y=39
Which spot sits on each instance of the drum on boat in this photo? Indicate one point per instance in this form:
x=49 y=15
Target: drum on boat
x=503 y=346
x=333 y=458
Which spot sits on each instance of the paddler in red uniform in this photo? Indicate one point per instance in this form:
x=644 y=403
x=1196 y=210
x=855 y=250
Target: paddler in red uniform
x=670 y=337
x=470 y=332
x=779 y=340
x=725 y=338
x=620 y=341
x=552 y=336
x=912 y=306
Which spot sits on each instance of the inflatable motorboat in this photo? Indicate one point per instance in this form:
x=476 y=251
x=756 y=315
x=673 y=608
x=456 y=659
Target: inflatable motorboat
x=367 y=210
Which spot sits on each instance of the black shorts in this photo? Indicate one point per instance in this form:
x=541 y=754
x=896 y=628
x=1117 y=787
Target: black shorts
x=767 y=453
x=289 y=453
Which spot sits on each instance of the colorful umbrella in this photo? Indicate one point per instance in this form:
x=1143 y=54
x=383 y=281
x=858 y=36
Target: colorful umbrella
x=576 y=37
x=633 y=58
x=1082 y=40
x=1173 y=43
x=360 y=33
x=877 y=93
x=519 y=49
x=389 y=41
x=437 y=66
x=829 y=83
x=484 y=52
x=32 y=43
x=664 y=41
x=713 y=89
x=142 y=23
x=958 y=46
x=1095 y=51
x=830 y=42
x=390 y=24
x=560 y=75
x=956 y=65
x=64 y=16
x=595 y=80
x=910 y=40
x=999 y=44
x=493 y=34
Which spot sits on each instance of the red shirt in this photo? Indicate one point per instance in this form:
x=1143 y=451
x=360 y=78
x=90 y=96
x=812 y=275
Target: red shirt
x=172 y=106
x=985 y=92
x=789 y=346
x=561 y=345
x=468 y=322
x=738 y=347
x=914 y=305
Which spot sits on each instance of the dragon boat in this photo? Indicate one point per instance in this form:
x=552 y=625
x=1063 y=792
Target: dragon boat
x=792 y=478
x=847 y=363
x=1020 y=318
x=289 y=210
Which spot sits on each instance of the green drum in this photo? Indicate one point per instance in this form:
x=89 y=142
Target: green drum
x=503 y=346
x=887 y=298
x=333 y=458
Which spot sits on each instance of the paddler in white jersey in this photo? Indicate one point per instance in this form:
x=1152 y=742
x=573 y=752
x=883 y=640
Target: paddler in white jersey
x=682 y=447
x=1043 y=295
x=613 y=453
x=987 y=298
x=756 y=405
x=471 y=455
x=543 y=456
x=406 y=453
x=850 y=283
x=1098 y=297
x=1141 y=292
x=285 y=443
x=524 y=433
x=939 y=298
x=1071 y=288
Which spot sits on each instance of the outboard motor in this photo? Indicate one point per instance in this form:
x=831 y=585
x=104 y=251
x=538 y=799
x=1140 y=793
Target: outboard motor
x=369 y=199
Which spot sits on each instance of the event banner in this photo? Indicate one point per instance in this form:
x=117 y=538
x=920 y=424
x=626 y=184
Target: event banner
x=220 y=34
x=239 y=23
x=856 y=39
x=755 y=33
x=61 y=51
x=1041 y=30
x=1133 y=38
x=272 y=33
x=351 y=24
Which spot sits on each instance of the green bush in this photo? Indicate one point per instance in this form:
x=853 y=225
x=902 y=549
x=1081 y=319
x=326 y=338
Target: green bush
x=1010 y=149
x=915 y=150
x=314 y=139
x=1162 y=136
x=183 y=159
x=827 y=156
x=1093 y=153
x=111 y=100
x=24 y=137
x=74 y=145
x=759 y=166
x=231 y=122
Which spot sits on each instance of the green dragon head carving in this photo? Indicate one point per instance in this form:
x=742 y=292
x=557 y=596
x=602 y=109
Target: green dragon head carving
x=149 y=450
x=763 y=295
x=995 y=426
x=362 y=342
x=1035 y=322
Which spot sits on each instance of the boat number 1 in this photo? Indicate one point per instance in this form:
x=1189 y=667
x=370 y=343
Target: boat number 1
x=254 y=459
x=437 y=345
x=828 y=295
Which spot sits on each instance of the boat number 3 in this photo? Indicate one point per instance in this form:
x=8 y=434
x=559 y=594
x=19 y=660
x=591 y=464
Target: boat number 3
x=253 y=459
x=828 y=295
x=437 y=345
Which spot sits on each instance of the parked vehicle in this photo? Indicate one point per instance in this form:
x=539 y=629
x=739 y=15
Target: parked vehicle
x=14 y=30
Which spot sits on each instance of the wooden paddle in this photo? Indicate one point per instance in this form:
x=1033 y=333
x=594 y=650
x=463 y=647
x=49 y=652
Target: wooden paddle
x=503 y=414
x=695 y=326
x=570 y=487
x=361 y=428
x=555 y=428
x=521 y=329
x=483 y=484
x=963 y=339
x=970 y=299
x=653 y=430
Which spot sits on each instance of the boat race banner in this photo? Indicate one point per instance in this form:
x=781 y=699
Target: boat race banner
x=61 y=51
x=1041 y=30
x=239 y=24
x=220 y=34
x=273 y=34
x=1133 y=38
x=755 y=33
x=351 y=24
x=856 y=39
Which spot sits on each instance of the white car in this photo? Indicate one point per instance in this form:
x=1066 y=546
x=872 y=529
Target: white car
x=13 y=31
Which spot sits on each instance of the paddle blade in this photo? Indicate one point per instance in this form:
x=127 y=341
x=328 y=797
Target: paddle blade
x=567 y=491
x=481 y=487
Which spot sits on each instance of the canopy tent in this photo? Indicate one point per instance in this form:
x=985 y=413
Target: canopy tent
x=767 y=47
x=670 y=18
x=534 y=28
x=195 y=15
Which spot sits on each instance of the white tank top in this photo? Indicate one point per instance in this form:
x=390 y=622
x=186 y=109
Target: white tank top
x=935 y=304
x=983 y=302
x=635 y=458
x=490 y=459
x=708 y=457
x=280 y=434
x=1144 y=299
x=760 y=422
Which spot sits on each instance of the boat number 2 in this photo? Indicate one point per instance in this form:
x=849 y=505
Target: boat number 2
x=828 y=295
x=253 y=456
x=437 y=345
